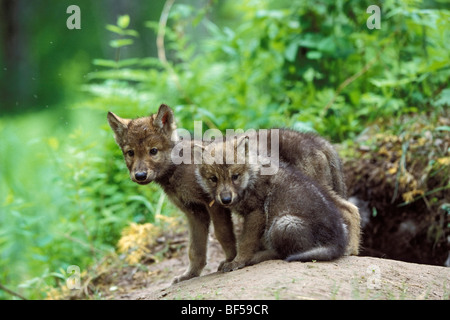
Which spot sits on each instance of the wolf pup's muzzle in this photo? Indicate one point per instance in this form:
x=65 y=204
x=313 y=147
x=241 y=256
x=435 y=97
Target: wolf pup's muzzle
x=226 y=198
x=143 y=177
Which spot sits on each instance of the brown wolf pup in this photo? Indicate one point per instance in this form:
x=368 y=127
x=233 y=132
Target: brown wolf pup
x=295 y=217
x=147 y=144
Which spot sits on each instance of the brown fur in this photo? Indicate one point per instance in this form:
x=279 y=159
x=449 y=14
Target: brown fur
x=178 y=181
x=141 y=135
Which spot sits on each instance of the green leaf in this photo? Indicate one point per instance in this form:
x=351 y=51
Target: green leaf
x=443 y=98
x=443 y=128
x=131 y=32
x=105 y=63
x=304 y=126
x=291 y=51
x=144 y=201
x=121 y=74
x=120 y=43
x=128 y=62
x=309 y=75
x=123 y=21
x=327 y=45
x=314 y=55
x=115 y=29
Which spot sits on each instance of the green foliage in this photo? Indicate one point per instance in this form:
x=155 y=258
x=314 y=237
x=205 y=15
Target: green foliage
x=64 y=199
x=65 y=193
x=309 y=67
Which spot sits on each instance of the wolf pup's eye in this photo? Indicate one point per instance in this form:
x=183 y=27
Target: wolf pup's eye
x=213 y=179
x=235 y=176
x=153 y=151
x=130 y=153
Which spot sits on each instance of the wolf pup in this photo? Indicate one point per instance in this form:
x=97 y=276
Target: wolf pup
x=316 y=158
x=294 y=216
x=147 y=144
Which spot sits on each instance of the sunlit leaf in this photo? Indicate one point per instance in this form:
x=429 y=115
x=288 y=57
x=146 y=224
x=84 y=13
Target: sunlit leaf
x=120 y=43
x=114 y=29
x=123 y=21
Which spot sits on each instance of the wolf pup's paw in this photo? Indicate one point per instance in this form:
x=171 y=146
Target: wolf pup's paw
x=183 y=277
x=233 y=265
x=220 y=268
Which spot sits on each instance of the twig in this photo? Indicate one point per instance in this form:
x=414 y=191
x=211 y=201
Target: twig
x=350 y=80
x=84 y=244
x=162 y=31
x=162 y=51
x=2 y=287
x=347 y=81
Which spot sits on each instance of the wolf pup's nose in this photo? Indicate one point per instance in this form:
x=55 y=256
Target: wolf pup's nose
x=225 y=199
x=141 y=175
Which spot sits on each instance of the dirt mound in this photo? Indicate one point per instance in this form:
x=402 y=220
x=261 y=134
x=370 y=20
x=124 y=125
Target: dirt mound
x=346 y=278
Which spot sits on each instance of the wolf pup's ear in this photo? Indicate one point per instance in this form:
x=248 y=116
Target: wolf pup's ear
x=199 y=146
x=242 y=139
x=198 y=152
x=118 y=125
x=164 y=119
x=241 y=149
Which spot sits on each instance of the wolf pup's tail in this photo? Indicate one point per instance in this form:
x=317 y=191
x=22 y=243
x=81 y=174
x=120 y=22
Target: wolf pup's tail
x=293 y=238
x=320 y=254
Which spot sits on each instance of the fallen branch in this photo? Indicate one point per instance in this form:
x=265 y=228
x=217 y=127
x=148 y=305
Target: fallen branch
x=2 y=287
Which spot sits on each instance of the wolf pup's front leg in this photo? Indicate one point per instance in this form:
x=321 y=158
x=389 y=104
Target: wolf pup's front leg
x=224 y=231
x=198 y=224
x=249 y=242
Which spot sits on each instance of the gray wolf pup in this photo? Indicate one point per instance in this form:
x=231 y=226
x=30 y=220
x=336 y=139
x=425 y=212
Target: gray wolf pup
x=295 y=217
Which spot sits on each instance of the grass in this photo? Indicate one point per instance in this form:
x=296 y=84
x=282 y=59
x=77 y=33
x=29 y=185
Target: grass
x=65 y=197
x=29 y=196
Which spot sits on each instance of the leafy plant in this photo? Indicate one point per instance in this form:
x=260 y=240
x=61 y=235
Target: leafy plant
x=315 y=67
